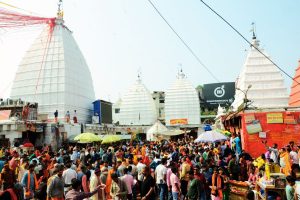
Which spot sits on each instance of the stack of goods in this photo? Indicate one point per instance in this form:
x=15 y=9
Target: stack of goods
x=238 y=189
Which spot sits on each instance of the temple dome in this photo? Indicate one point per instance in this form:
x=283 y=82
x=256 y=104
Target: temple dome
x=260 y=81
x=182 y=104
x=137 y=107
x=54 y=73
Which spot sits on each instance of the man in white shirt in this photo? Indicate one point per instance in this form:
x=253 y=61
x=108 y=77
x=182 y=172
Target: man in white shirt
x=293 y=156
x=140 y=166
x=161 y=179
x=68 y=175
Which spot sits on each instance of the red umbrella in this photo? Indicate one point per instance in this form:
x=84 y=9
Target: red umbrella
x=28 y=144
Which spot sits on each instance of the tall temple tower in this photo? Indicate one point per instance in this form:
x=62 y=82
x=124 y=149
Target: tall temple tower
x=137 y=106
x=260 y=81
x=54 y=73
x=182 y=105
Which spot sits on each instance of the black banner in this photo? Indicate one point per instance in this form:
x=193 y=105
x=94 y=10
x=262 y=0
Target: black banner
x=219 y=93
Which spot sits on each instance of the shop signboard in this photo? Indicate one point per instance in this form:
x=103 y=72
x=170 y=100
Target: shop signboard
x=274 y=118
x=183 y=121
x=289 y=119
x=216 y=94
x=39 y=128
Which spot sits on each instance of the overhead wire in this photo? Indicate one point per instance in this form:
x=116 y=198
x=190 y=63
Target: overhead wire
x=182 y=40
x=215 y=12
x=10 y=19
x=18 y=8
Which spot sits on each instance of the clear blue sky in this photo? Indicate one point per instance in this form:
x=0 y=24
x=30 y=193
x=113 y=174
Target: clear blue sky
x=119 y=37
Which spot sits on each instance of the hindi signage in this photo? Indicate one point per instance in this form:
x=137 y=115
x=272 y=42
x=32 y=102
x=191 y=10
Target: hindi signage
x=274 y=118
x=179 y=121
x=289 y=119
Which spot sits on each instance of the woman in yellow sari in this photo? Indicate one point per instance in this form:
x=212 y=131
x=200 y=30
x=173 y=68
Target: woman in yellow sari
x=285 y=164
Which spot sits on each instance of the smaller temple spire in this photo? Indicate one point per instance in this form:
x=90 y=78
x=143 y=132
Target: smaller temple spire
x=180 y=75
x=253 y=30
x=255 y=42
x=60 y=12
x=139 y=78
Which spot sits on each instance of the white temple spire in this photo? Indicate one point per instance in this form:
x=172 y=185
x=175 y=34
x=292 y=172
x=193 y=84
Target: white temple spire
x=54 y=74
x=268 y=89
x=182 y=103
x=60 y=12
x=137 y=106
x=255 y=42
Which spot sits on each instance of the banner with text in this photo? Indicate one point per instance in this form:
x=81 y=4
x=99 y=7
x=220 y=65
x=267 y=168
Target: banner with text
x=274 y=118
x=179 y=121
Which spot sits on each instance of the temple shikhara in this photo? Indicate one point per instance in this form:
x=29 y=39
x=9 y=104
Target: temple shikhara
x=54 y=73
x=137 y=106
x=182 y=103
x=230 y=140
x=260 y=82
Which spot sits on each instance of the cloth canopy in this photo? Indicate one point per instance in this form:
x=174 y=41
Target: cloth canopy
x=157 y=128
x=87 y=138
x=211 y=136
x=110 y=139
x=159 y=131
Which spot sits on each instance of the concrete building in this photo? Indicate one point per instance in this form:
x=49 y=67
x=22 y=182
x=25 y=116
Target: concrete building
x=159 y=101
x=18 y=125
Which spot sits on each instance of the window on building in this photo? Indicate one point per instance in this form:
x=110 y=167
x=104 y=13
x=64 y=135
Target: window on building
x=117 y=110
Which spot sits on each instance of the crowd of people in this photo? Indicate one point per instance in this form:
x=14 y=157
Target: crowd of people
x=163 y=170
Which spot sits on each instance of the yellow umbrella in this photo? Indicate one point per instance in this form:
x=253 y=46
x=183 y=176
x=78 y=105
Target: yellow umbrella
x=110 y=139
x=87 y=138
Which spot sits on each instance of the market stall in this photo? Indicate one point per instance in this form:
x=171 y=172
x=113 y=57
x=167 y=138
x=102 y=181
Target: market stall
x=238 y=190
x=256 y=127
x=272 y=188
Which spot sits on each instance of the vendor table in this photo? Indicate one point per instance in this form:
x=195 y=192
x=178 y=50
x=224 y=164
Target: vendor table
x=238 y=190
x=267 y=188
